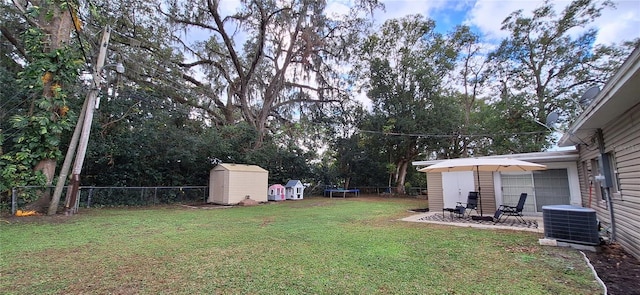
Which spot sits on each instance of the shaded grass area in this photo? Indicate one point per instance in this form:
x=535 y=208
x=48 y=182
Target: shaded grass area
x=312 y=246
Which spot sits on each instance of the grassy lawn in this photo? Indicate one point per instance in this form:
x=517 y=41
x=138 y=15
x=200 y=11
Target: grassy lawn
x=313 y=246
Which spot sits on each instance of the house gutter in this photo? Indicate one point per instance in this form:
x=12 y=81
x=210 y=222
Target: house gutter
x=535 y=157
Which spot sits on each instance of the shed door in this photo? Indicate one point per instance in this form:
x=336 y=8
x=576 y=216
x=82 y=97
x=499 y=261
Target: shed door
x=219 y=188
x=456 y=187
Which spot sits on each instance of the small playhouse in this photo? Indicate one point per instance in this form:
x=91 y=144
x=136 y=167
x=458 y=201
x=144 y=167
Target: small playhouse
x=294 y=190
x=276 y=193
x=231 y=183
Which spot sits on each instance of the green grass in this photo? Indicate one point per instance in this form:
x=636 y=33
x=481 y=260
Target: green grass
x=312 y=246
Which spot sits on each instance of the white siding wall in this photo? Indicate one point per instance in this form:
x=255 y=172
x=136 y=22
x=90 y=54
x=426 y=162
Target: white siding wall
x=622 y=141
x=434 y=191
x=487 y=193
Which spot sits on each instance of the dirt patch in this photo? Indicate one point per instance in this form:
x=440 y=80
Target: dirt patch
x=206 y=206
x=522 y=249
x=619 y=271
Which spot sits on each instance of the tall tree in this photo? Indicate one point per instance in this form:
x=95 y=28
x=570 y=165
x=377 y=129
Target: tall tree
x=470 y=72
x=405 y=63
x=47 y=65
x=546 y=66
x=264 y=62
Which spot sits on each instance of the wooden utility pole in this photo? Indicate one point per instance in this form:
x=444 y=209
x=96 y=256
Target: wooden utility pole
x=72 y=193
x=64 y=171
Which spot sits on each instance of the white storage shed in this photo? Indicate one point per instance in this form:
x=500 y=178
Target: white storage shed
x=231 y=183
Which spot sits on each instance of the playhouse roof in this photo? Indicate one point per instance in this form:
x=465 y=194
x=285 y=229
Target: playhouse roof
x=293 y=182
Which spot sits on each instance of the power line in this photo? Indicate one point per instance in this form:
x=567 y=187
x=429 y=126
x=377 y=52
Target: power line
x=75 y=26
x=452 y=135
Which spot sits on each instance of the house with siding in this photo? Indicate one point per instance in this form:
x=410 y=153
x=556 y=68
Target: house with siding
x=607 y=137
x=557 y=185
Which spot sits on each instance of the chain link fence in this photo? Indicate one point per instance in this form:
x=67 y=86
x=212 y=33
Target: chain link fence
x=416 y=192
x=109 y=196
x=92 y=196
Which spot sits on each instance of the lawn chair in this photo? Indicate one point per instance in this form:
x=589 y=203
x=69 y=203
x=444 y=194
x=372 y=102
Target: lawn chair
x=506 y=211
x=471 y=204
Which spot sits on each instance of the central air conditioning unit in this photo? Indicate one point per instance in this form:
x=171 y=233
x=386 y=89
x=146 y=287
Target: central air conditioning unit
x=571 y=224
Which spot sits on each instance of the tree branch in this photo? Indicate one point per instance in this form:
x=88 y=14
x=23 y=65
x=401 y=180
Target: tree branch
x=186 y=21
x=25 y=15
x=305 y=100
x=213 y=9
x=5 y=32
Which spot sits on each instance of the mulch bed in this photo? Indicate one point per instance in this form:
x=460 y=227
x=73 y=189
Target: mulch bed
x=619 y=271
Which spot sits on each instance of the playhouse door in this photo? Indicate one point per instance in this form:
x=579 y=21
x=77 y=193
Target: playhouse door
x=456 y=187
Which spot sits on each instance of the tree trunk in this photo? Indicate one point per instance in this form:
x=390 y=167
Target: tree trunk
x=347 y=182
x=57 y=23
x=402 y=174
x=48 y=168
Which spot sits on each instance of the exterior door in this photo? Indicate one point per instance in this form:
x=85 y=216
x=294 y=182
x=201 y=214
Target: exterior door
x=456 y=187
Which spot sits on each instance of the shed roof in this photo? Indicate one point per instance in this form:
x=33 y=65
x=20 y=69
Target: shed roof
x=239 y=167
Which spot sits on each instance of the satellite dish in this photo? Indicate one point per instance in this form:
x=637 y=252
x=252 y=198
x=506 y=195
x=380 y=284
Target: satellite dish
x=552 y=118
x=588 y=96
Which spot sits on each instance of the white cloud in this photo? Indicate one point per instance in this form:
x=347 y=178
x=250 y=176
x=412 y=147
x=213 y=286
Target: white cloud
x=614 y=25
x=487 y=15
x=401 y=8
x=620 y=24
x=229 y=7
x=335 y=9
x=361 y=96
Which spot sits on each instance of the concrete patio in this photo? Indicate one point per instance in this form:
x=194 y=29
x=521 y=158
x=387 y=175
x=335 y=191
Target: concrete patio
x=531 y=224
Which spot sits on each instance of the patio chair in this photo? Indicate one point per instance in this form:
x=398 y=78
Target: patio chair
x=471 y=204
x=515 y=211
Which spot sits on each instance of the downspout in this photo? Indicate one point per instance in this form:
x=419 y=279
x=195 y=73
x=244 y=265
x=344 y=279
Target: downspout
x=606 y=171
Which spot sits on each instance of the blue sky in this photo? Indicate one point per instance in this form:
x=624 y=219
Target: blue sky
x=486 y=16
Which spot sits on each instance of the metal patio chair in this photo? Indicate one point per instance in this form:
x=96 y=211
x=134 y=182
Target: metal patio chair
x=470 y=205
x=515 y=211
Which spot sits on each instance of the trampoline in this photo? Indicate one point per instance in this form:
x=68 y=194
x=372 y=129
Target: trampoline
x=344 y=192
